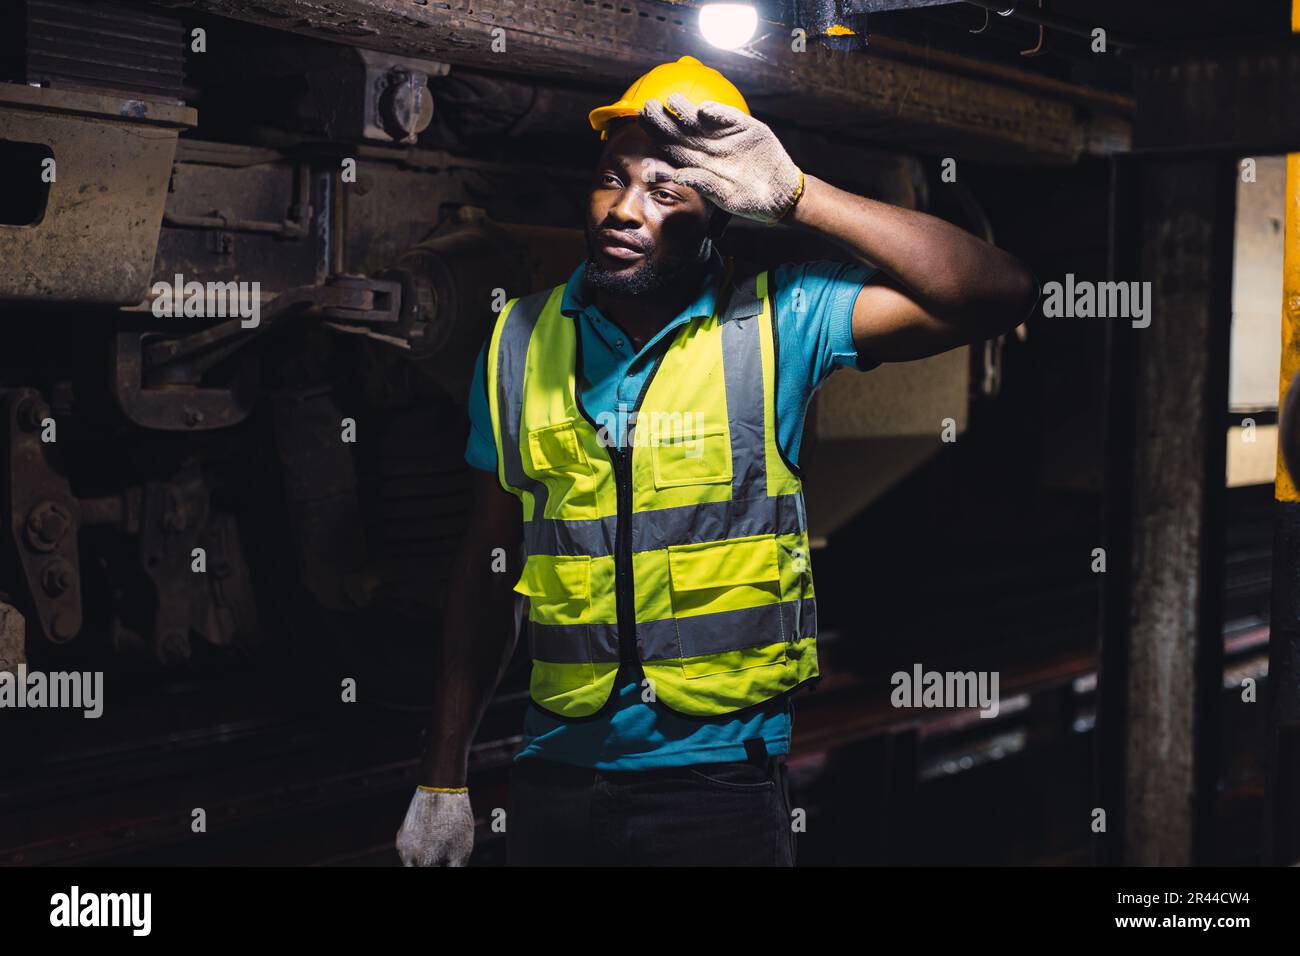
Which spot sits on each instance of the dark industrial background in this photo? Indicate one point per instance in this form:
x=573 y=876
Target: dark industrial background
x=326 y=560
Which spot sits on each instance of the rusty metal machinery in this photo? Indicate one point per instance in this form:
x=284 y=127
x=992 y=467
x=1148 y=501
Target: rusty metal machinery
x=168 y=520
x=136 y=50
x=147 y=541
x=158 y=378
x=89 y=120
x=111 y=157
x=451 y=279
x=43 y=516
x=908 y=103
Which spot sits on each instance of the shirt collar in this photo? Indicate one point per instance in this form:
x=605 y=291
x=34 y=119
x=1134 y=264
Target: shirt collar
x=574 y=300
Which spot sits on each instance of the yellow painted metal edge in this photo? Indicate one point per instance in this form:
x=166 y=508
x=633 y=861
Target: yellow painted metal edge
x=1284 y=488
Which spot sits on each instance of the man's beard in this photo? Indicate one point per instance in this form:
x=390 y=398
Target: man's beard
x=644 y=279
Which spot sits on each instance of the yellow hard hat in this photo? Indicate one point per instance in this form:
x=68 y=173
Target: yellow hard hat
x=688 y=76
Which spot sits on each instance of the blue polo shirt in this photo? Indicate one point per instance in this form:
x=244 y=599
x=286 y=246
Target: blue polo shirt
x=814 y=312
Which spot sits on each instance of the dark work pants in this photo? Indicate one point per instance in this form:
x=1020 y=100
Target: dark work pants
x=720 y=814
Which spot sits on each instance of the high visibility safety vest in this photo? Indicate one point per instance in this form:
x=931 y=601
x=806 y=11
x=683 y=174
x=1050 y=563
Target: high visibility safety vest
x=684 y=552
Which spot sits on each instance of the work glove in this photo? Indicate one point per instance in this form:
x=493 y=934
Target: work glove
x=438 y=829
x=734 y=160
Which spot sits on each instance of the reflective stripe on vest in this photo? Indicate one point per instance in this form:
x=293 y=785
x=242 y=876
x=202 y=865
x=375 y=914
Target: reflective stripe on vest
x=715 y=599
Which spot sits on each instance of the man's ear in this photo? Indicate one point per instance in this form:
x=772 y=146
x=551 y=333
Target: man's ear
x=718 y=223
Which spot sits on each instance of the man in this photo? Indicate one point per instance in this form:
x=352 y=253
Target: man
x=638 y=430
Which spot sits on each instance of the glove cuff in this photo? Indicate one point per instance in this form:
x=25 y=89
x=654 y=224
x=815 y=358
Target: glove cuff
x=794 y=200
x=444 y=789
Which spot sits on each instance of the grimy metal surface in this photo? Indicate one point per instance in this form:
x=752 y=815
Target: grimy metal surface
x=112 y=155
x=879 y=6
x=136 y=50
x=44 y=516
x=1240 y=100
x=1161 y=663
x=601 y=47
x=1162 y=660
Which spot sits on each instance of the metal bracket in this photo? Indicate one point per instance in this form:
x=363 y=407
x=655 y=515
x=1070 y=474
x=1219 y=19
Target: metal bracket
x=177 y=406
x=156 y=376
x=44 y=517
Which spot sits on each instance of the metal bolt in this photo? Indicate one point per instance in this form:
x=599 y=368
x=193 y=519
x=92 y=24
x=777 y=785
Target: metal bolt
x=46 y=525
x=56 y=578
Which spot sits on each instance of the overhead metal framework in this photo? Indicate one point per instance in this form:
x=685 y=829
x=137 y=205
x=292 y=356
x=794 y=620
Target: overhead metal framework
x=599 y=44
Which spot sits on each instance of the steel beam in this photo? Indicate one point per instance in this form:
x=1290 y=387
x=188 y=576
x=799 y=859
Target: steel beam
x=1162 y=645
x=881 y=6
x=600 y=47
x=1238 y=101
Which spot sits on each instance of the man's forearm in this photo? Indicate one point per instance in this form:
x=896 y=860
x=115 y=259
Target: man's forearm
x=946 y=269
x=476 y=643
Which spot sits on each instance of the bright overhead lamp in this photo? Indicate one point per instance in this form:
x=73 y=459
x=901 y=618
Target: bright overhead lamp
x=728 y=26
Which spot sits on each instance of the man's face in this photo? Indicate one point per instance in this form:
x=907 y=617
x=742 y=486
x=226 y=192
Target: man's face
x=643 y=230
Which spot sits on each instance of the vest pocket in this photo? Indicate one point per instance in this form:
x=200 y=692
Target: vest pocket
x=799 y=559
x=726 y=600
x=559 y=462
x=556 y=448
x=700 y=457
x=558 y=588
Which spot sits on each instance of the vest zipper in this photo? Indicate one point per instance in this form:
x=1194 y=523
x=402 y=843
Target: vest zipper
x=625 y=599
x=624 y=594
x=620 y=460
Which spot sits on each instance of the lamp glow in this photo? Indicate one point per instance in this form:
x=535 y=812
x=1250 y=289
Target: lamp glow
x=728 y=25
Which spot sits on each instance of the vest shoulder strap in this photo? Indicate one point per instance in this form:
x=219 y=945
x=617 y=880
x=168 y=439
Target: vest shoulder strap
x=517 y=326
x=530 y=306
x=743 y=300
